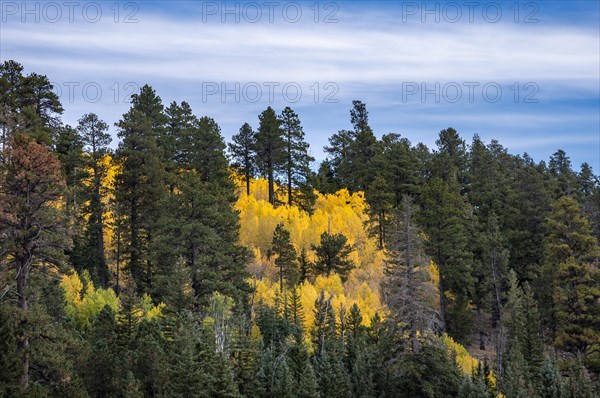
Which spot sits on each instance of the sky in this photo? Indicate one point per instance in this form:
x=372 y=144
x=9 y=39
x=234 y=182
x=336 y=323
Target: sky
x=526 y=73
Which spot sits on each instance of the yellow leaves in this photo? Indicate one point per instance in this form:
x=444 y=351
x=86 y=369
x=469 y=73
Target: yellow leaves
x=147 y=310
x=332 y=284
x=83 y=301
x=369 y=303
x=265 y=291
x=72 y=286
x=341 y=212
x=464 y=360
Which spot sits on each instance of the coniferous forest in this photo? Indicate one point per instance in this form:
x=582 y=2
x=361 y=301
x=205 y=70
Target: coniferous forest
x=172 y=263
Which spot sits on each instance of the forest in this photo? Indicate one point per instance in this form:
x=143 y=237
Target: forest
x=174 y=264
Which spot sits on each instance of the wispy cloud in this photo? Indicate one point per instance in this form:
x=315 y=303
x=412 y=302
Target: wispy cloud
x=368 y=54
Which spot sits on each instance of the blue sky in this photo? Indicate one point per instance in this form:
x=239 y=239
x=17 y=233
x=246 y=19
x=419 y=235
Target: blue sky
x=525 y=73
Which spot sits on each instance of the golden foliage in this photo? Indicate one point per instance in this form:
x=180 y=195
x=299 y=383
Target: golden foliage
x=83 y=302
x=341 y=212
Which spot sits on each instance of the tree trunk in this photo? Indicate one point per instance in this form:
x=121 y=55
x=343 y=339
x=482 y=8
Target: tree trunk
x=247 y=183
x=497 y=314
x=442 y=303
x=289 y=168
x=271 y=188
x=23 y=345
x=103 y=271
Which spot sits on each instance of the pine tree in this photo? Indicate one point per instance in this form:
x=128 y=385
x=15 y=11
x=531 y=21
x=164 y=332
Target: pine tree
x=579 y=384
x=564 y=179
x=93 y=132
x=569 y=249
x=450 y=161
x=68 y=145
x=445 y=218
x=140 y=185
x=31 y=223
x=270 y=148
x=332 y=255
x=331 y=375
x=529 y=203
x=351 y=153
x=104 y=368
x=242 y=153
x=286 y=259
x=296 y=166
x=326 y=181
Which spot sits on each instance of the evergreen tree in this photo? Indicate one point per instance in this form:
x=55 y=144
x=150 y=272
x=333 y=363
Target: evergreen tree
x=550 y=385
x=352 y=152
x=296 y=166
x=93 y=132
x=68 y=146
x=332 y=255
x=140 y=185
x=446 y=217
x=579 y=384
x=31 y=225
x=331 y=375
x=104 y=367
x=270 y=148
x=450 y=161
x=326 y=181
x=529 y=204
x=408 y=289
x=564 y=179
x=569 y=247
x=286 y=257
x=242 y=153
x=305 y=266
